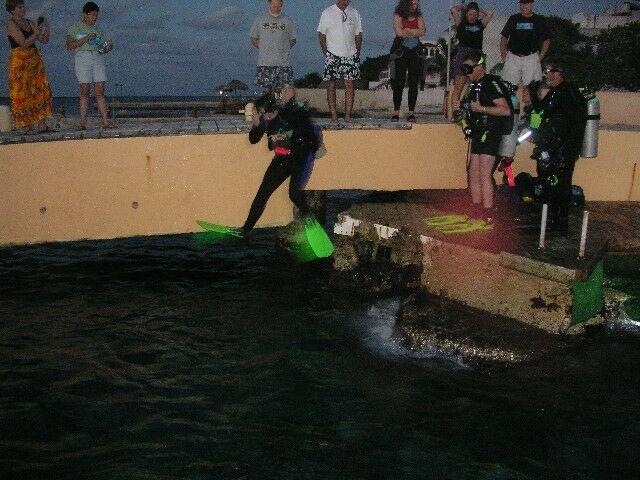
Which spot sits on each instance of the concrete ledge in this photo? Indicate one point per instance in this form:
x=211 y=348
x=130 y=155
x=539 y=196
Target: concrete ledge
x=547 y=271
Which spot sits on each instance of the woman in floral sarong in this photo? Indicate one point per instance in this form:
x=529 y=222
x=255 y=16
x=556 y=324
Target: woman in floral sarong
x=28 y=84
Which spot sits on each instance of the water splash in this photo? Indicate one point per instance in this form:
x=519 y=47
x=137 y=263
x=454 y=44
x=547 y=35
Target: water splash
x=618 y=320
x=378 y=333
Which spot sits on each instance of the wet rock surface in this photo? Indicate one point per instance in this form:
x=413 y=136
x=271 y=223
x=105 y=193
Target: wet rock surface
x=479 y=339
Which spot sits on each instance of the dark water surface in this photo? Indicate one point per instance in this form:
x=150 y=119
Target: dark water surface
x=159 y=358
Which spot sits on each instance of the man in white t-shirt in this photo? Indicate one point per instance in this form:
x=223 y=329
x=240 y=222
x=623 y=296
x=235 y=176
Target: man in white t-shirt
x=340 y=34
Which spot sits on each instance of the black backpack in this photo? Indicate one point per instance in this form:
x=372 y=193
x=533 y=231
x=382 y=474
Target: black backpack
x=507 y=91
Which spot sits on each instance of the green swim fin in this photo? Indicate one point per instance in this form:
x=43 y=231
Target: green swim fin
x=468 y=227
x=219 y=229
x=445 y=220
x=309 y=241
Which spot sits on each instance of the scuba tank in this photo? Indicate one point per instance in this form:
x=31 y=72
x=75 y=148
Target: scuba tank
x=590 y=142
x=510 y=141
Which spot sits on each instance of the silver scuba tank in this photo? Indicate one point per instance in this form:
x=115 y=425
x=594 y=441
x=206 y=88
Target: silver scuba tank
x=591 y=132
x=510 y=141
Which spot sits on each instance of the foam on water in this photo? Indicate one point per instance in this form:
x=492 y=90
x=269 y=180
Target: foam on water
x=377 y=329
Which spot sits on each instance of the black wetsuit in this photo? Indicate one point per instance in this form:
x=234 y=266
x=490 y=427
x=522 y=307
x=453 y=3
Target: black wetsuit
x=292 y=121
x=559 y=142
x=487 y=130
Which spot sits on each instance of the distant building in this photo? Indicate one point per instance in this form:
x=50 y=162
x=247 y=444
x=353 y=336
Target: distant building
x=620 y=15
x=431 y=79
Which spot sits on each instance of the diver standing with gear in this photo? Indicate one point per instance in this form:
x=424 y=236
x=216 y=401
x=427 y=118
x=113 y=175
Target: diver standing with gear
x=558 y=141
x=292 y=137
x=489 y=118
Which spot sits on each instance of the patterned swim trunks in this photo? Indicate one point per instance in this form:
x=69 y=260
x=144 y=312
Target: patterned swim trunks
x=341 y=68
x=276 y=77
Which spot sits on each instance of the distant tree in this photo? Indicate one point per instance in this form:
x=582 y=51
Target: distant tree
x=618 y=57
x=370 y=70
x=310 y=80
x=438 y=64
x=575 y=50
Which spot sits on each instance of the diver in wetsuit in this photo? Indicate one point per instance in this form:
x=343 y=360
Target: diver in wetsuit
x=292 y=137
x=558 y=141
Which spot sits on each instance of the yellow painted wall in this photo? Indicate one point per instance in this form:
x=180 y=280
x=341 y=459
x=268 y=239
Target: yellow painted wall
x=89 y=187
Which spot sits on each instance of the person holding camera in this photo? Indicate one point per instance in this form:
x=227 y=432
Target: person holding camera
x=28 y=83
x=558 y=141
x=408 y=25
x=489 y=114
x=470 y=22
x=90 y=45
x=291 y=136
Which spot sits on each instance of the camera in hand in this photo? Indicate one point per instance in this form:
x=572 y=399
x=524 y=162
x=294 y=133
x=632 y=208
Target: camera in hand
x=462 y=116
x=40 y=21
x=104 y=47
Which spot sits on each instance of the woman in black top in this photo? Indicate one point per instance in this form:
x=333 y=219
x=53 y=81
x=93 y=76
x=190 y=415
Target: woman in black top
x=408 y=25
x=470 y=22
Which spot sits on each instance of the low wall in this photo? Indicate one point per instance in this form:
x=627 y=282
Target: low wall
x=99 y=189
x=122 y=187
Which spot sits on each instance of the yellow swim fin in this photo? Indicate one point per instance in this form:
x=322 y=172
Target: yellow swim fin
x=436 y=222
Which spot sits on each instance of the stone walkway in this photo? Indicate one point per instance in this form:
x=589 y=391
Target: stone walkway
x=66 y=129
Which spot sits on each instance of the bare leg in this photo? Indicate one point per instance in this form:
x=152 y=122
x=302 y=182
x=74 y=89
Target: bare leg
x=487 y=162
x=85 y=89
x=348 y=99
x=102 y=104
x=526 y=97
x=331 y=99
x=458 y=85
x=475 y=184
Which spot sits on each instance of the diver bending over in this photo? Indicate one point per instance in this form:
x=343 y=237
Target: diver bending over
x=559 y=141
x=292 y=137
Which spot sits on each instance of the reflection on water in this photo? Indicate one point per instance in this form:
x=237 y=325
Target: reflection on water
x=163 y=358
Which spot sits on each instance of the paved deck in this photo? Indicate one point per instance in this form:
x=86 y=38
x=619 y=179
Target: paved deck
x=66 y=128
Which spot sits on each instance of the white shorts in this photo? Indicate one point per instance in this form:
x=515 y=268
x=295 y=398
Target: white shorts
x=522 y=70
x=90 y=67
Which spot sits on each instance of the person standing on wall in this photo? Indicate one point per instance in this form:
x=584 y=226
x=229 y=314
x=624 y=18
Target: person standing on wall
x=408 y=25
x=340 y=35
x=490 y=111
x=274 y=35
x=470 y=22
x=90 y=45
x=28 y=83
x=524 y=44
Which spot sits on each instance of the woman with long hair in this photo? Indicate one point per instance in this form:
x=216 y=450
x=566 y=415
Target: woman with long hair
x=408 y=25
x=28 y=83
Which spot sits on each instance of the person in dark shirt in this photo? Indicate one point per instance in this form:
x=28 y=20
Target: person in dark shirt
x=470 y=22
x=490 y=112
x=524 y=44
x=558 y=140
x=292 y=137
